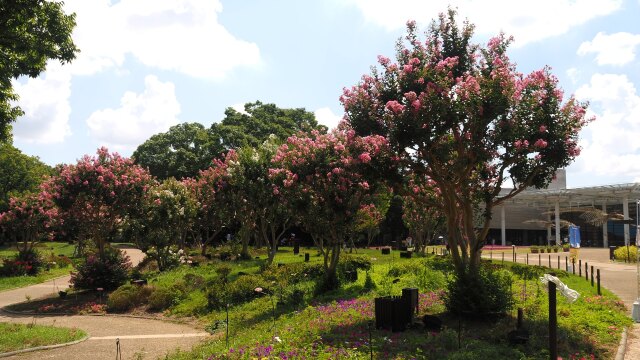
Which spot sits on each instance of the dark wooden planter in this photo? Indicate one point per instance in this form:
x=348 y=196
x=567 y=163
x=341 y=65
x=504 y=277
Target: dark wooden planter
x=395 y=313
x=406 y=254
x=386 y=251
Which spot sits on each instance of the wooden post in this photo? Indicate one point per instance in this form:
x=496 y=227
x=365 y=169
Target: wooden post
x=566 y=263
x=553 y=322
x=580 y=267
x=549 y=261
x=558 y=262
x=591 y=275
x=586 y=271
x=573 y=267
x=598 y=274
x=539 y=259
x=527 y=258
x=503 y=257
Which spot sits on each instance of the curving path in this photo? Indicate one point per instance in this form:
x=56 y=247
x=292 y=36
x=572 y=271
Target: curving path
x=619 y=278
x=139 y=338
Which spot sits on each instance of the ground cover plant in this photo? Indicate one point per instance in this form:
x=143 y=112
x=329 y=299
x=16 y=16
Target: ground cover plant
x=286 y=319
x=20 y=336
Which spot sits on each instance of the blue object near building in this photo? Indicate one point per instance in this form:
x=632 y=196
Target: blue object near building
x=574 y=236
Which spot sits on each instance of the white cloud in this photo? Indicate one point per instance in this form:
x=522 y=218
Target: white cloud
x=611 y=144
x=326 y=117
x=615 y=49
x=573 y=74
x=45 y=102
x=182 y=36
x=138 y=117
x=527 y=21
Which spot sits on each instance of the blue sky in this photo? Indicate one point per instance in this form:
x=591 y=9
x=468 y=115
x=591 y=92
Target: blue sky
x=146 y=65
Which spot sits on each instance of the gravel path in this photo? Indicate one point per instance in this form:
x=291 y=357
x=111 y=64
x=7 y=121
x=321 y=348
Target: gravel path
x=139 y=338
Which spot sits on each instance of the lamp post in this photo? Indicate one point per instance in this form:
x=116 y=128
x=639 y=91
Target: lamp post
x=635 y=312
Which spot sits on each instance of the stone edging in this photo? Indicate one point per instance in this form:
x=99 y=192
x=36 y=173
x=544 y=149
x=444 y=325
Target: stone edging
x=622 y=348
x=45 y=347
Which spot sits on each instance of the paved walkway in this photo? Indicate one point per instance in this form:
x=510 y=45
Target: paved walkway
x=619 y=278
x=139 y=338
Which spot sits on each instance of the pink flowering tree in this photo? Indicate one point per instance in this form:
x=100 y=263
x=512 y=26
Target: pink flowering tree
x=98 y=193
x=211 y=190
x=29 y=220
x=461 y=115
x=325 y=179
x=370 y=216
x=263 y=211
x=422 y=214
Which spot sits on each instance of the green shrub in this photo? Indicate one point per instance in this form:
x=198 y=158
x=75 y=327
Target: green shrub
x=108 y=273
x=439 y=263
x=369 y=284
x=223 y=271
x=128 y=296
x=621 y=254
x=162 y=298
x=194 y=282
x=234 y=293
x=427 y=279
x=350 y=263
x=480 y=293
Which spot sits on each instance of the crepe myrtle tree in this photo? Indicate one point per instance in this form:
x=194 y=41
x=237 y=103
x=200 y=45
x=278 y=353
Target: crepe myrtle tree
x=213 y=194
x=324 y=179
x=422 y=214
x=169 y=211
x=268 y=215
x=460 y=114
x=98 y=192
x=31 y=218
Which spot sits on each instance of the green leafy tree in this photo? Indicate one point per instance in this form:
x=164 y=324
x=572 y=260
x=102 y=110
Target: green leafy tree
x=181 y=152
x=259 y=121
x=461 y=115
x=31 y=33
x=19 y=174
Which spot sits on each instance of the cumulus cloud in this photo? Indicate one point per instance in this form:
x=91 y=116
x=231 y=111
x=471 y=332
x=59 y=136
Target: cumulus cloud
x=45 y=102
x=326 y=117
x=527 y=21
x=610 y=144
x=615 y=49
x=182 y=36
x=138 y=117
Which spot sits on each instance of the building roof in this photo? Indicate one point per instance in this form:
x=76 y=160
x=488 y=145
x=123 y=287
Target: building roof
x=595 y=195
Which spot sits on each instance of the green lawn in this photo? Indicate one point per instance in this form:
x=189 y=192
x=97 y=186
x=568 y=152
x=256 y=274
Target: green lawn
x=45 y=249
x=50 y=252
x=21 y=281
x=17 y=336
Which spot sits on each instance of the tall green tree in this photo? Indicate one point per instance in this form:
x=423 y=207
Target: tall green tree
x=31 y=32
x=187 y=148
x=258 y=121
x=460 y=114
x=19 y=173
x=181 y=152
